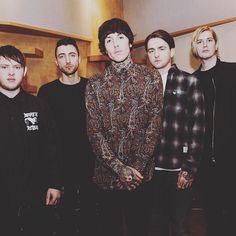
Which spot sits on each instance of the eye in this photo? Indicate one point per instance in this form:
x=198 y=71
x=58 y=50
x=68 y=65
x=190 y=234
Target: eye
x=3 y=67
x=107 y=41
x=18 y=67
x=210 y=40
x=60 y=56
x=150 y=51
x=199 y=41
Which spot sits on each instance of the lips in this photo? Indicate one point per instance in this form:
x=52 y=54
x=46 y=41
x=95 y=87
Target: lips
x=118 y=52
x=68 y=67
x=11 y=79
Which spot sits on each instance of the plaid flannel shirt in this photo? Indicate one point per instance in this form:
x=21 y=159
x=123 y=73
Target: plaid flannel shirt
x=183 y=123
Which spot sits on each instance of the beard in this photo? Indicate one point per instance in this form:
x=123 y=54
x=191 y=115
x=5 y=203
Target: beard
x=68 y=72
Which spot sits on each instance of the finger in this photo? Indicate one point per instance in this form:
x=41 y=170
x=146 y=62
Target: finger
x=129 y=178
x=138 y=174
x=47 y=199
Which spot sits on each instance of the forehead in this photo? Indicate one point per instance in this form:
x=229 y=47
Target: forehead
x=8 y=61
x=156 y=43
x=113 y=35
x=66 y=49
x=205 y=34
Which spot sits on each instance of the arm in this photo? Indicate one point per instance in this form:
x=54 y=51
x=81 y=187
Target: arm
x=196 y=130
x=52 y=151
x=153 y=131
x=96 y=132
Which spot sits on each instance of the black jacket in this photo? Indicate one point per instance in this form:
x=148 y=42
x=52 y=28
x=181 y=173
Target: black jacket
x=219 y=86
x=29 y=150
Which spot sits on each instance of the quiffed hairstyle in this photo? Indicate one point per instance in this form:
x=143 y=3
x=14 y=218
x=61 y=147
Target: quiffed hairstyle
x=162 y=34
x=195 y=38
x=66 y=41
x=114 y=25
x=10 y=52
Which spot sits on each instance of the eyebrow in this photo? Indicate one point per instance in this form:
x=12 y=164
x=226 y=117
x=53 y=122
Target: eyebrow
x=206 y=38
x=63 y=53
x=153 y=48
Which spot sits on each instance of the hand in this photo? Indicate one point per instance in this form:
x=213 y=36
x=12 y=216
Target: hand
x=130 y=179
x=185 y=180
x=53 y=196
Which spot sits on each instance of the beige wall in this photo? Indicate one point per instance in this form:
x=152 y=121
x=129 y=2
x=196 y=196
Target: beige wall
x=69 y=16
x=102 y=10
x=183 y=56
x=43 y=70
x=173 y=15
x=227 y=49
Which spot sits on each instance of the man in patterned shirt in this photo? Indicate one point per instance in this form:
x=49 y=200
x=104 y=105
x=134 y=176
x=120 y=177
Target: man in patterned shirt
x=179 y=151
x=124 y=110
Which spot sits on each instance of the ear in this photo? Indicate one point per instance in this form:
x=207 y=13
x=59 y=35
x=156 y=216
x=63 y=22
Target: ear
x=79 y=59
x=172 y=52
x=56 y=62
x=25 y=71
x=130 y=45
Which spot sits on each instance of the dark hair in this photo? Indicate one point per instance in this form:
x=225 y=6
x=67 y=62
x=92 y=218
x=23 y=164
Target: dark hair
x=162 y=34
x=66 y=41
x=10 y=52
x=114 y=25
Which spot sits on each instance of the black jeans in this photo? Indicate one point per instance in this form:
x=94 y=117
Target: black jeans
x=217 y=188
x=26 y=221
x=171 y=206
x=123 y=212
x=77 y=211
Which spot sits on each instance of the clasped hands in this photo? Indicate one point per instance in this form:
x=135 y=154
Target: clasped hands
x=129 y=179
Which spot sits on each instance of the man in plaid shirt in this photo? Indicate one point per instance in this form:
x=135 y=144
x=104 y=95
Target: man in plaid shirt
x=179 y=152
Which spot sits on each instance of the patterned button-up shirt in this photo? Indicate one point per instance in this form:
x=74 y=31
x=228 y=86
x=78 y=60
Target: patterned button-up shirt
x=124 y=111
x=183 y=123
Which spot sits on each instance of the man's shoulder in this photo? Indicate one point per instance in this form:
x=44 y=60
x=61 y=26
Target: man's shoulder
x=97 y=77
x=226 y=65
x=50 y=85
x=31 y=99
x=183 y=75
x=147 y=72
x=143 y=68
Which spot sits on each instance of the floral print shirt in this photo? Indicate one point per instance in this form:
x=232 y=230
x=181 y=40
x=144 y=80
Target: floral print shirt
x=124 y=111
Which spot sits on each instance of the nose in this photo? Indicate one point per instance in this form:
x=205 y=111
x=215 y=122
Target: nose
x=67 y=59
x=115 y=43
x=156 y=54
x=11 y=70
x=204 y=43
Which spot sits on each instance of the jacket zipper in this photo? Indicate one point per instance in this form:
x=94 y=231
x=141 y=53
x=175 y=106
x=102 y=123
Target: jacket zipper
x=213 y=123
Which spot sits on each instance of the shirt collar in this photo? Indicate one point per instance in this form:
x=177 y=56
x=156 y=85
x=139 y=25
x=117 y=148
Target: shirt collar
x=122 y=66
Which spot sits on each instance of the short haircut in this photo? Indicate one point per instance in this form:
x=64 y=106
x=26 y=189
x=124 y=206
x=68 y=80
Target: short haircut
x=195 y=38
x=162 y=34
x=11 y=52
x=66 y=41
x=114 y=25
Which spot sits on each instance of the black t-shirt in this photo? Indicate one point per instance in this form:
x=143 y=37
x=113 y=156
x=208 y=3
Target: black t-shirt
x=68 y=105
x=209 y=90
